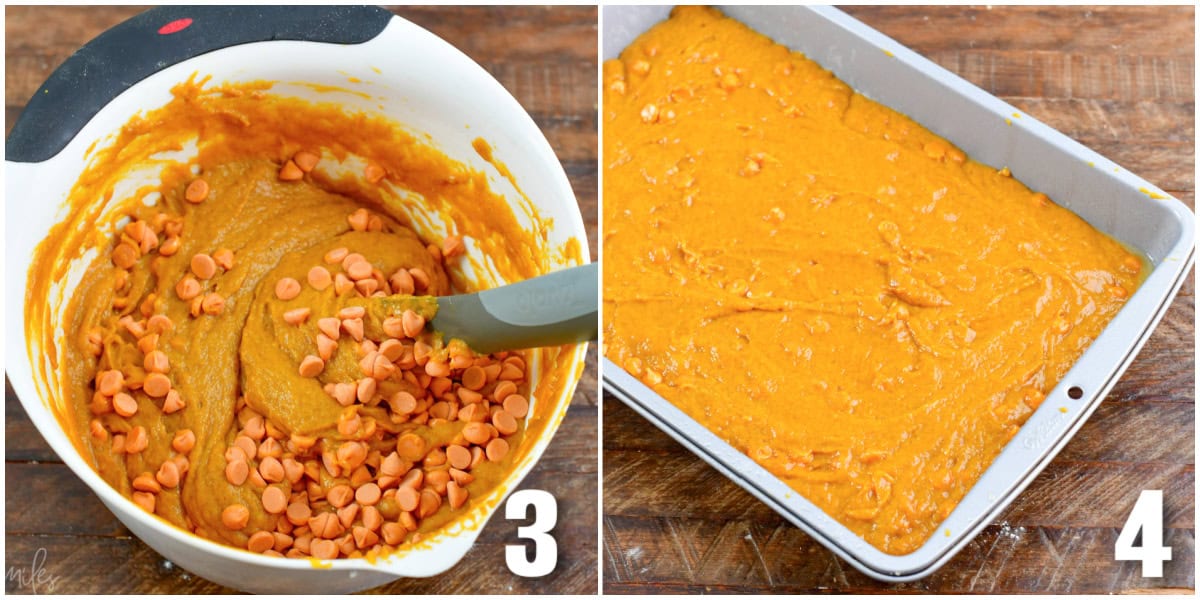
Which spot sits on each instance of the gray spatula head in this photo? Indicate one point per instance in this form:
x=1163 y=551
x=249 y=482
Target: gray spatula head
x=554 y=309
x=550 y=310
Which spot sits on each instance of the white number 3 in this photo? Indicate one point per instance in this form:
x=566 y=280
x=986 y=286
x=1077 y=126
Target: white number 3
x=545 y=549
x=1147 y=517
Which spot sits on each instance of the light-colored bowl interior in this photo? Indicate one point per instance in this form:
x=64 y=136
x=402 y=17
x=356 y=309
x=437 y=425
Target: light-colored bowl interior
x=434 y=92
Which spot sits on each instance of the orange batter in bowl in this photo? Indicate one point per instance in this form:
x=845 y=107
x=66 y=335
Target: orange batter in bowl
x=214 y=351
x=834 y=290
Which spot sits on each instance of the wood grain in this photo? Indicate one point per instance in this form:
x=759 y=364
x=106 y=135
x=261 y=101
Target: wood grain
x=546 y=57
x=1120 y=80
x=735 y=556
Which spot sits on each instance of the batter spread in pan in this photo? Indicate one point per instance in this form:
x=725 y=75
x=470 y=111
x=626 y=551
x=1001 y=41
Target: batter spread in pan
x=834 y=290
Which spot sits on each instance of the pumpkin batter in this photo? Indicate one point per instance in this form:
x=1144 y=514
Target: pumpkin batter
x=854 y=303
x=234 y=350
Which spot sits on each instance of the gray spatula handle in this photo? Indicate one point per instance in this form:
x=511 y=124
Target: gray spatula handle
x=559 y=308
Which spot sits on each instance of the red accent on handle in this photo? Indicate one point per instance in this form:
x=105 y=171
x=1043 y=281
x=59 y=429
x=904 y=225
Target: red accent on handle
x=174 y=26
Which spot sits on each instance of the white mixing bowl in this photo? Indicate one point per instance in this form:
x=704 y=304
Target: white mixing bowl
x=408 y=75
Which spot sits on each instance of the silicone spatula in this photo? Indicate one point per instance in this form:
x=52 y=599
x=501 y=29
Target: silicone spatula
x=550 y=310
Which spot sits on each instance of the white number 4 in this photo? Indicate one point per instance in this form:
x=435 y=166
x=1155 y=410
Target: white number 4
x=1147 y=517
x=545 y=549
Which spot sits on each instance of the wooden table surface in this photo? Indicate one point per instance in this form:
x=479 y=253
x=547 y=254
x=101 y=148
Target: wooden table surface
x=1119 y=80
x=547 y=58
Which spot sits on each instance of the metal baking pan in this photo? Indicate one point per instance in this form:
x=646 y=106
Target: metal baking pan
x=993 y=132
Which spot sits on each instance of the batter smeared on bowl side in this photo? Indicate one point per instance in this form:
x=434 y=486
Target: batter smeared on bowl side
x=223 y=365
